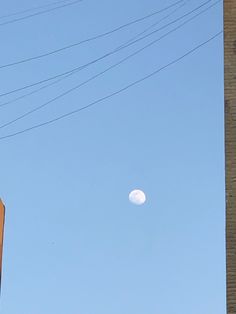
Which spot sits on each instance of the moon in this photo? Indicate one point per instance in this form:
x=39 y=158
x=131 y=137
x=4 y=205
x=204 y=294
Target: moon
x=137 y=197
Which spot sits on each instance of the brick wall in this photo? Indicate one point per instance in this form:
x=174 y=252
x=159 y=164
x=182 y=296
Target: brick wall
x=230 y=149
x=2 y=216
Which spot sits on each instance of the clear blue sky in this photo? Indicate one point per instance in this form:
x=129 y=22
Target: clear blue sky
x=73 y=242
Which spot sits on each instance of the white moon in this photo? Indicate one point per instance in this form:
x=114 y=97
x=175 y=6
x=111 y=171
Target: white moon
x=137 y=197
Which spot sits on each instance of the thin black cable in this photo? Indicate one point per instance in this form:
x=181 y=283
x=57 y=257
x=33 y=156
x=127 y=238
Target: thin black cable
x=111 y=52
x=76 y=70
x=91 y=38
x=39 y=13
x=112 y=94
x=33 y=9
x=35 y=91
x=100 y=73
x=153 y=25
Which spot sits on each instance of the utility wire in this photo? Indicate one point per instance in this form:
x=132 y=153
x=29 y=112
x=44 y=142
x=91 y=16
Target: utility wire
x=111 y=52
x=99 y=74
x=33 y=9
x=76 y=70
x=39 y=13
x=36 y=90
x=156 y=23
x=112 y=94
x=133 y=39
x=91 y=38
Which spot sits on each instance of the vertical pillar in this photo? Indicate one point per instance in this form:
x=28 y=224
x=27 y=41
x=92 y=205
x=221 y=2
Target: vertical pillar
x=230 y=148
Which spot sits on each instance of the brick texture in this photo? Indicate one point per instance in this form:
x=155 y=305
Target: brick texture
x=230 y=149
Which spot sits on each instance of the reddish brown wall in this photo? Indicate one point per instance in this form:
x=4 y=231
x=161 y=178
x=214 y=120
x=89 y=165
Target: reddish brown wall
x=2 y=216
x=230 y=149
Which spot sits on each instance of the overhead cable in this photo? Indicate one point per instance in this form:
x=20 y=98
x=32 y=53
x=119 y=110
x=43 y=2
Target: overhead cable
x=97 y=75
x=69 y=73
x=113 y=51
x=111 y=94
x=39 y=13
x=91 y=38
x=33 y=9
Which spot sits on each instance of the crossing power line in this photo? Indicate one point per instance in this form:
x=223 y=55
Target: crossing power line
x=38 y=13
x=76 y=71
x=92 y=38
x=79 y=68
x=100 y=73
x=40 y=125
x=33 y=9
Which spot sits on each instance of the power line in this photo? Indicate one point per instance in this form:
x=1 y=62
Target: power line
x=34 y=91
x=83 y=83
x=102 y=72
x=33 y=9
x=93 y=77
x=91 y=38
x=114 y=93
x=39 y=13
x=153 y=25
x=111 y=52
x=67 y=74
